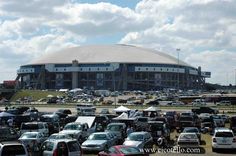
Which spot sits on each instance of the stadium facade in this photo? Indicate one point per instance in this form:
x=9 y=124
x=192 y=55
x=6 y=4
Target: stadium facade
x=113 y=67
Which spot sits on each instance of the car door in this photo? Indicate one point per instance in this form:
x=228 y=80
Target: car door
x=74 y=148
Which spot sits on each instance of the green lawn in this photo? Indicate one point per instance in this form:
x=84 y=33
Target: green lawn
x=35 y=94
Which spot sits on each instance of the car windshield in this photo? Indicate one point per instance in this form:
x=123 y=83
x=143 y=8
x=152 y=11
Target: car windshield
x=135 y=137
x=114 y=127
x=73 y=127
x=188 y=136
x=191 y=130
x=129 y=150
x=98 y=137
x=59 y=136
x=29 y=136
x=224 y=134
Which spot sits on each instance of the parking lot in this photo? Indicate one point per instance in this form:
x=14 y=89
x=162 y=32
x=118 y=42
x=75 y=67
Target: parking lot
x=205 y=144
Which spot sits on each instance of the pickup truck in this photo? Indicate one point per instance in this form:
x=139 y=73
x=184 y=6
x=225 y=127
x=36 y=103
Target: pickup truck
x=205 y=110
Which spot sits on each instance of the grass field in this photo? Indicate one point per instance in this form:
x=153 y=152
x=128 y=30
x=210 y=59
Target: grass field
x=34 y=94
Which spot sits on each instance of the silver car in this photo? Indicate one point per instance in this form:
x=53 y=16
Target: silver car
x=98 y=142
x=28 y=138
x=188 y=140
x=139 y=139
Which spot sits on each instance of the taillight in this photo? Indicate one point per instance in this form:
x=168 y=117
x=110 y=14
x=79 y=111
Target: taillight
x=234 y=140
x=214 y=139
x=55 y=153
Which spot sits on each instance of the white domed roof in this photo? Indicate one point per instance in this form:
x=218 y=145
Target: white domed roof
x=108 y=53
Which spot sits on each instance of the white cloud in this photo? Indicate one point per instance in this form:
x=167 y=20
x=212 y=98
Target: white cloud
x=204 y=30
x=221 y=62
x=193 y=26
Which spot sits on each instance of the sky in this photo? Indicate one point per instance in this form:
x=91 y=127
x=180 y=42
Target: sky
x=203 y=30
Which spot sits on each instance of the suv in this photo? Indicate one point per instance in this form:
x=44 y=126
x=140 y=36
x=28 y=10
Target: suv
x=61 y=147
x=223 y=138
x=35 y=127
x=13 y=149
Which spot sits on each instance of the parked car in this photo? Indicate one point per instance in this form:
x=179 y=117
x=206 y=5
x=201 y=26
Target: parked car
x=28 y=137
x=76 y=130
x=223 y=138
x=218 y=120
x=98 y=142
x=119 y=129
x=193 y=130
x=158 y=129
x=121 y=150
x=188 y=140
x=224 y=103
x=13 y=149
x=233 y=123
x=53 y=122
x=61 y=147
x=139 y=139
x=207 y=127
x=8 y=134
x=35 y=127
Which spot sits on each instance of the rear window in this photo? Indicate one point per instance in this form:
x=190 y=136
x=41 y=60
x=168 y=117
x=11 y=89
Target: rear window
x=29 y=126
x=224 y=134
x=13 y=150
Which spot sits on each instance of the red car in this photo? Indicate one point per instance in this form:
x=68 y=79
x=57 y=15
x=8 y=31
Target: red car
x=122 y=150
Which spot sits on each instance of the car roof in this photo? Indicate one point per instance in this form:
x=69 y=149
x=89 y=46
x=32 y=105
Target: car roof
x=116 y=123
x=10 y=143
x=222 y=129
x=139 y=133
x=187 y=133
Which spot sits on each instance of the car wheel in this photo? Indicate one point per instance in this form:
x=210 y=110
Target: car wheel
x=213 y=149
x=105 y=148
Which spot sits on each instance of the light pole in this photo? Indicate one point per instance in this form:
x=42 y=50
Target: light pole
x=178 y=50
x=114 y=84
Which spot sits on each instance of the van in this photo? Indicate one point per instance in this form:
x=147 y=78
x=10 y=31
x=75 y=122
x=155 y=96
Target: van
x=35 y=127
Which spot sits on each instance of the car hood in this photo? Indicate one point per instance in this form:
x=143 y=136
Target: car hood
x=94 y=142
x=132 y=143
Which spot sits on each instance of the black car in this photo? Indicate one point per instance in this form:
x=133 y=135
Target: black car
x=8 y=134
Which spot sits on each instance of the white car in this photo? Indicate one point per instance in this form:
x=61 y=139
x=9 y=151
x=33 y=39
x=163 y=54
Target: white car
x=223 y=138
x=13 y=148
x=28 y=138
x=188 y=140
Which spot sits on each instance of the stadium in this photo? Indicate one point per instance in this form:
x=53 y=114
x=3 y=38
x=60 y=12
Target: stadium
x=110 y=67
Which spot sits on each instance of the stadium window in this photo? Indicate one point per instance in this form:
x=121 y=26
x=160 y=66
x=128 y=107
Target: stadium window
x=64 y=69
x=106 y=69
x=138 y=68
x=98 y=69
x=89 y=69
x=167 y=69
x=56 y=69
x=146 y=68
x=161 y=69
